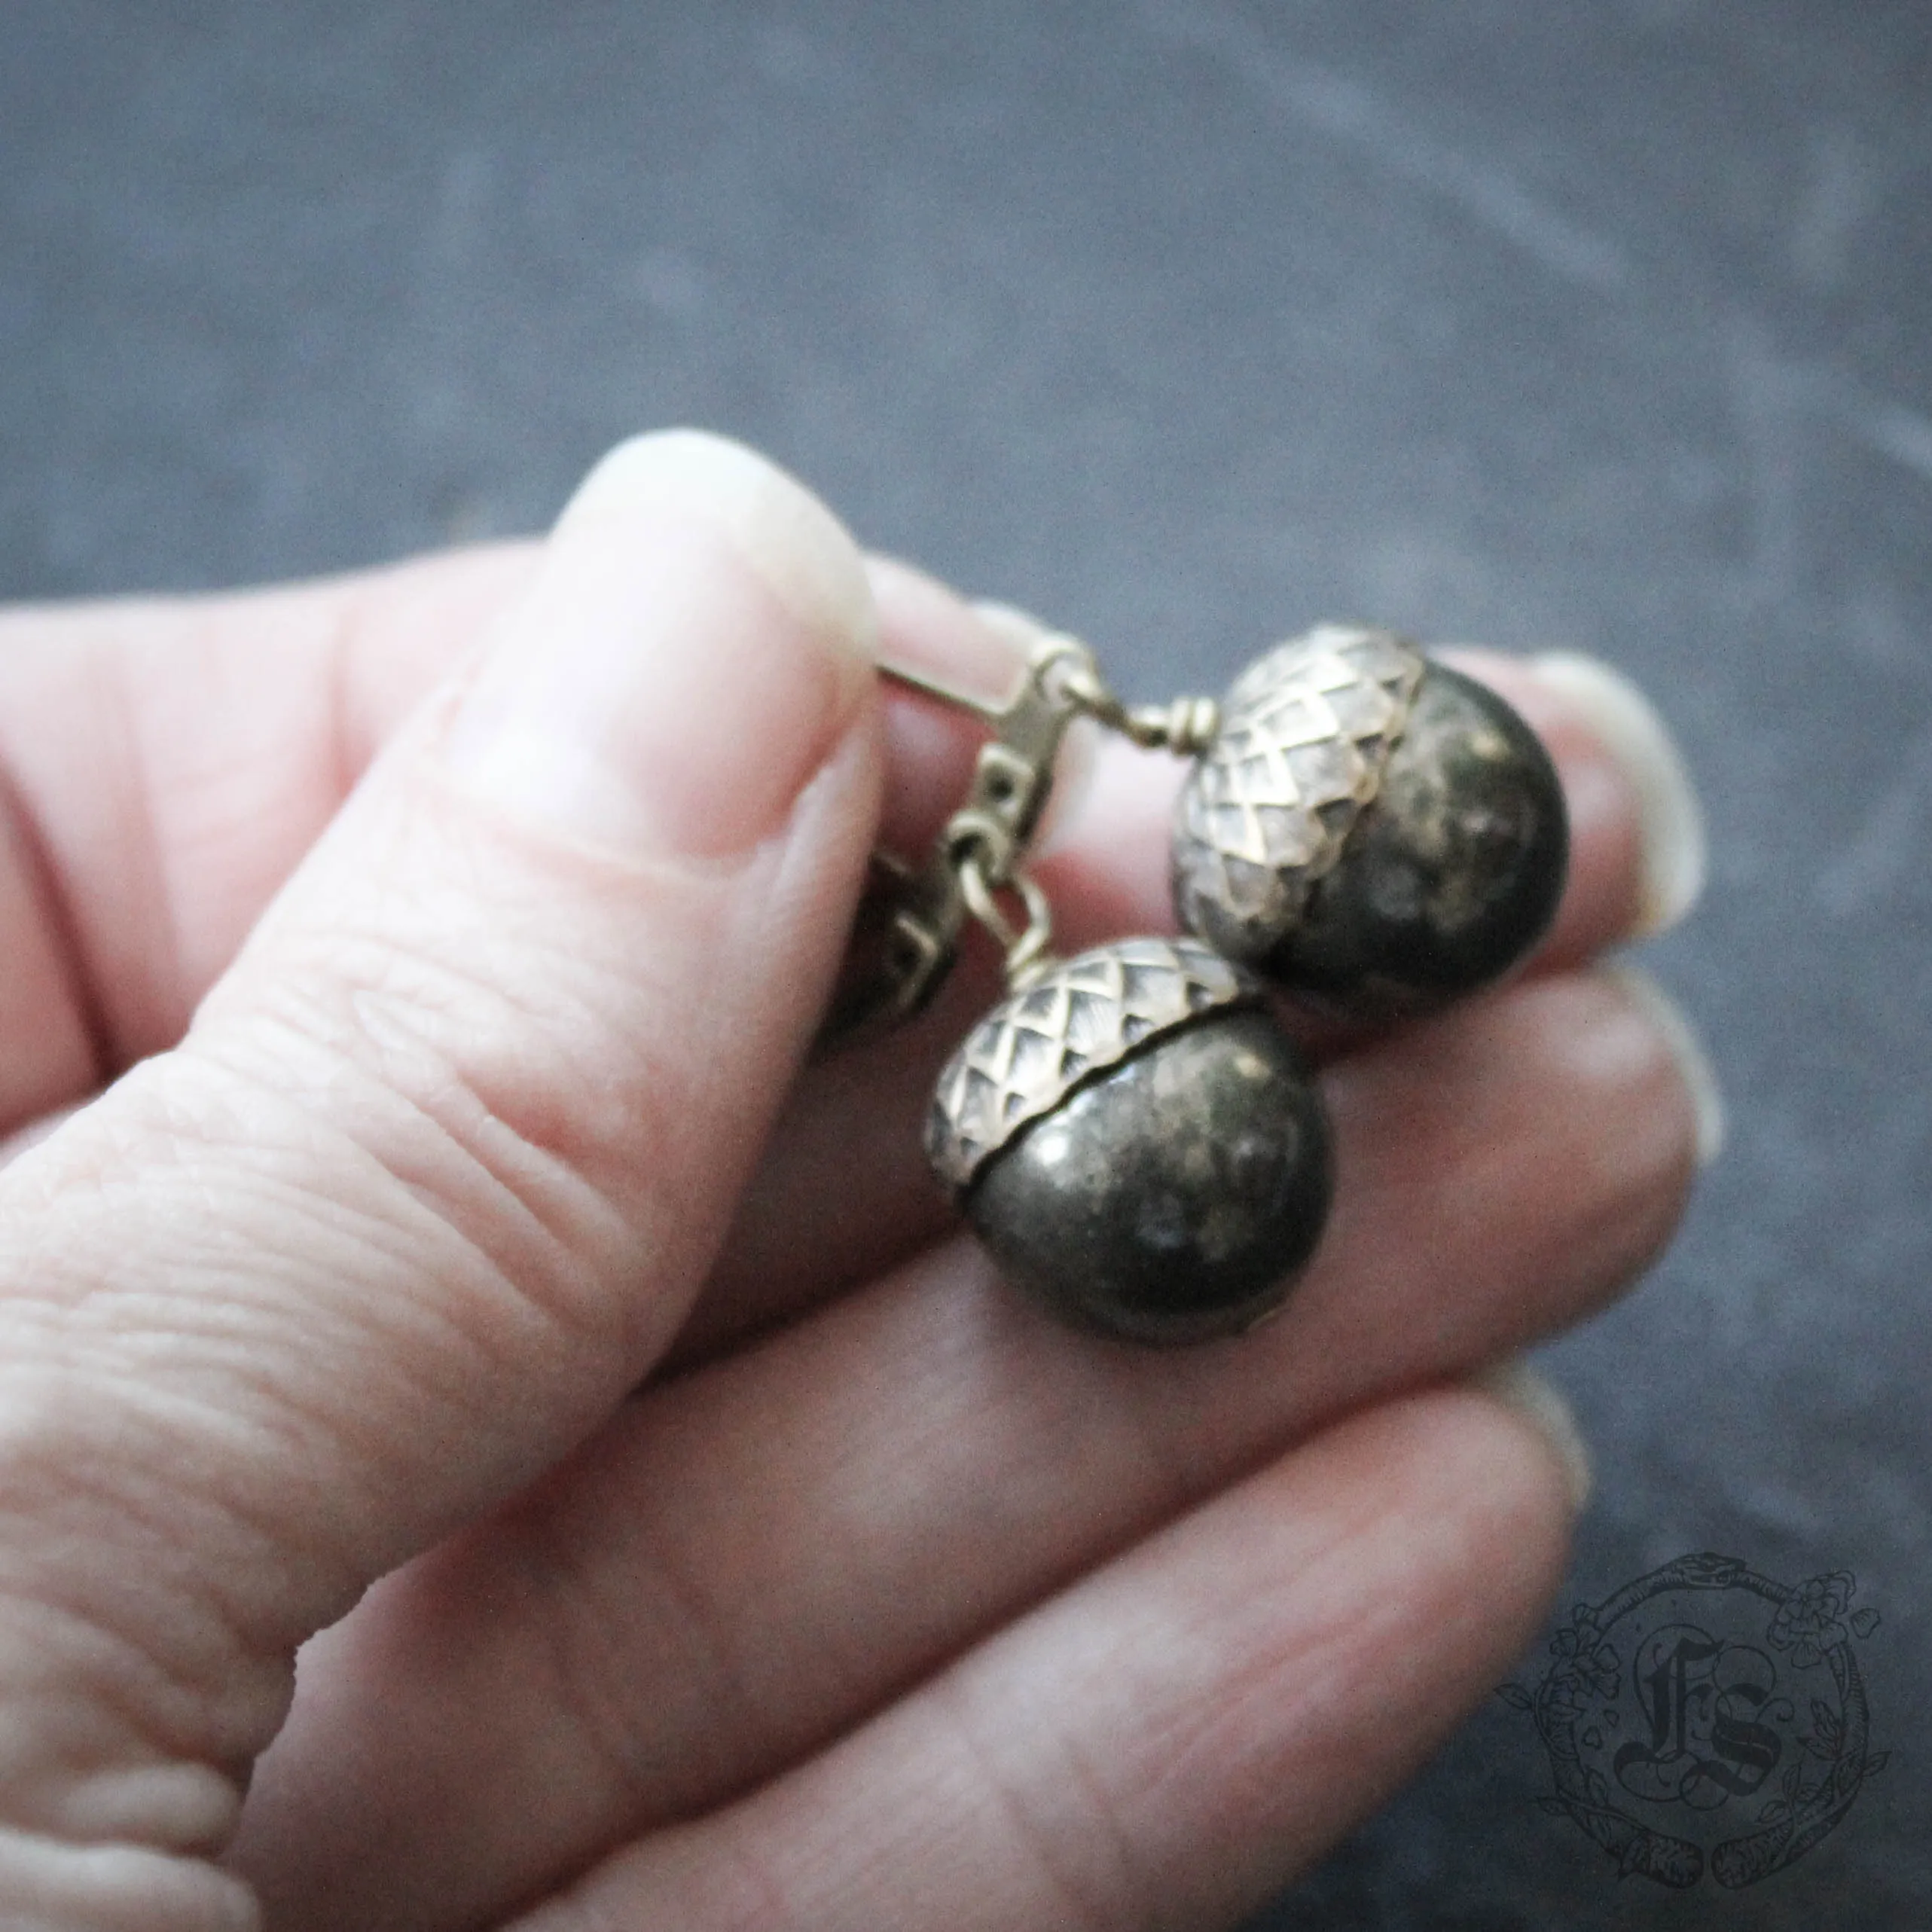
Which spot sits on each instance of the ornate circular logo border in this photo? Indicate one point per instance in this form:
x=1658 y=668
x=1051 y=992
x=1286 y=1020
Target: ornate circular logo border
x=1710 y=1731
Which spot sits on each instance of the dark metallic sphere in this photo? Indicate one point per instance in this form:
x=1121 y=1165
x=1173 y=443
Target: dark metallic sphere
x=1451 y=875
x=1137 y=1141
x=1371 y=828
x=1173 y=1198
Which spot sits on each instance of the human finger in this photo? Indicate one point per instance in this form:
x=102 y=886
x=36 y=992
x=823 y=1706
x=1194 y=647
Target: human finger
x=166 y=763
x=446 y=1153
x=1171 y=1739
x=756 y=1555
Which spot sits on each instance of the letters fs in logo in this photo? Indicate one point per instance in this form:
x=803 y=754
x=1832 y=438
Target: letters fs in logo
x=1705 y=1717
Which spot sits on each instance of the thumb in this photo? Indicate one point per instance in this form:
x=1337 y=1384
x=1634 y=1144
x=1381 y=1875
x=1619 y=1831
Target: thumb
x=443 y=1157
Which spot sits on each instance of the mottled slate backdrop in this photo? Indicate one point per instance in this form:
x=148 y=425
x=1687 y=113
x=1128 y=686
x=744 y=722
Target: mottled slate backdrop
x=1596 y=321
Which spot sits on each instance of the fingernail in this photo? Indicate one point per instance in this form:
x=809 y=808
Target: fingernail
x=1010 y=623
x=1700 y=1076
x=1671 y=820
x=697 y=637
x=1526 y=1393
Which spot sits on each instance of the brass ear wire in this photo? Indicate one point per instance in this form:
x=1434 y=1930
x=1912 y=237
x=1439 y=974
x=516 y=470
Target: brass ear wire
x=982 y=851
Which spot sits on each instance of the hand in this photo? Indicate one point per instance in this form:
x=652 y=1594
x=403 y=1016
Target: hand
x=410 y=981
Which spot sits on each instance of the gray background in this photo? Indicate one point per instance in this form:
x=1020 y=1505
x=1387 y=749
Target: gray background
x=1598 y=322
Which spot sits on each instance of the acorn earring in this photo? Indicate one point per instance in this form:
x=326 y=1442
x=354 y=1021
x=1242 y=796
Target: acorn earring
x=1369 y=828
x=1130 y=1132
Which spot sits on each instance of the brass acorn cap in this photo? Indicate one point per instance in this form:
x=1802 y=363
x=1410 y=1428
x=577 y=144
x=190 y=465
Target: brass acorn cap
x=1306 y=731
x=1078 y=1017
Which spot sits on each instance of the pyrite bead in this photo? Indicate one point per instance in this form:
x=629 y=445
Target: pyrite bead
x=1138 y=1143
x=1370 y=827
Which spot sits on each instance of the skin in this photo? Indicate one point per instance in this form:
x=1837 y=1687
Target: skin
x=422 y=1225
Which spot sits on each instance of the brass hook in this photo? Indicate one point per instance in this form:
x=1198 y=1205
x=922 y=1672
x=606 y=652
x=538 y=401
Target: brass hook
x=980 y=851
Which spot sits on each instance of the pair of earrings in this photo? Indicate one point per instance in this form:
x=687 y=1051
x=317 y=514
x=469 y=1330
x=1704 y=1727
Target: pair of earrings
x=1131 y=1132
